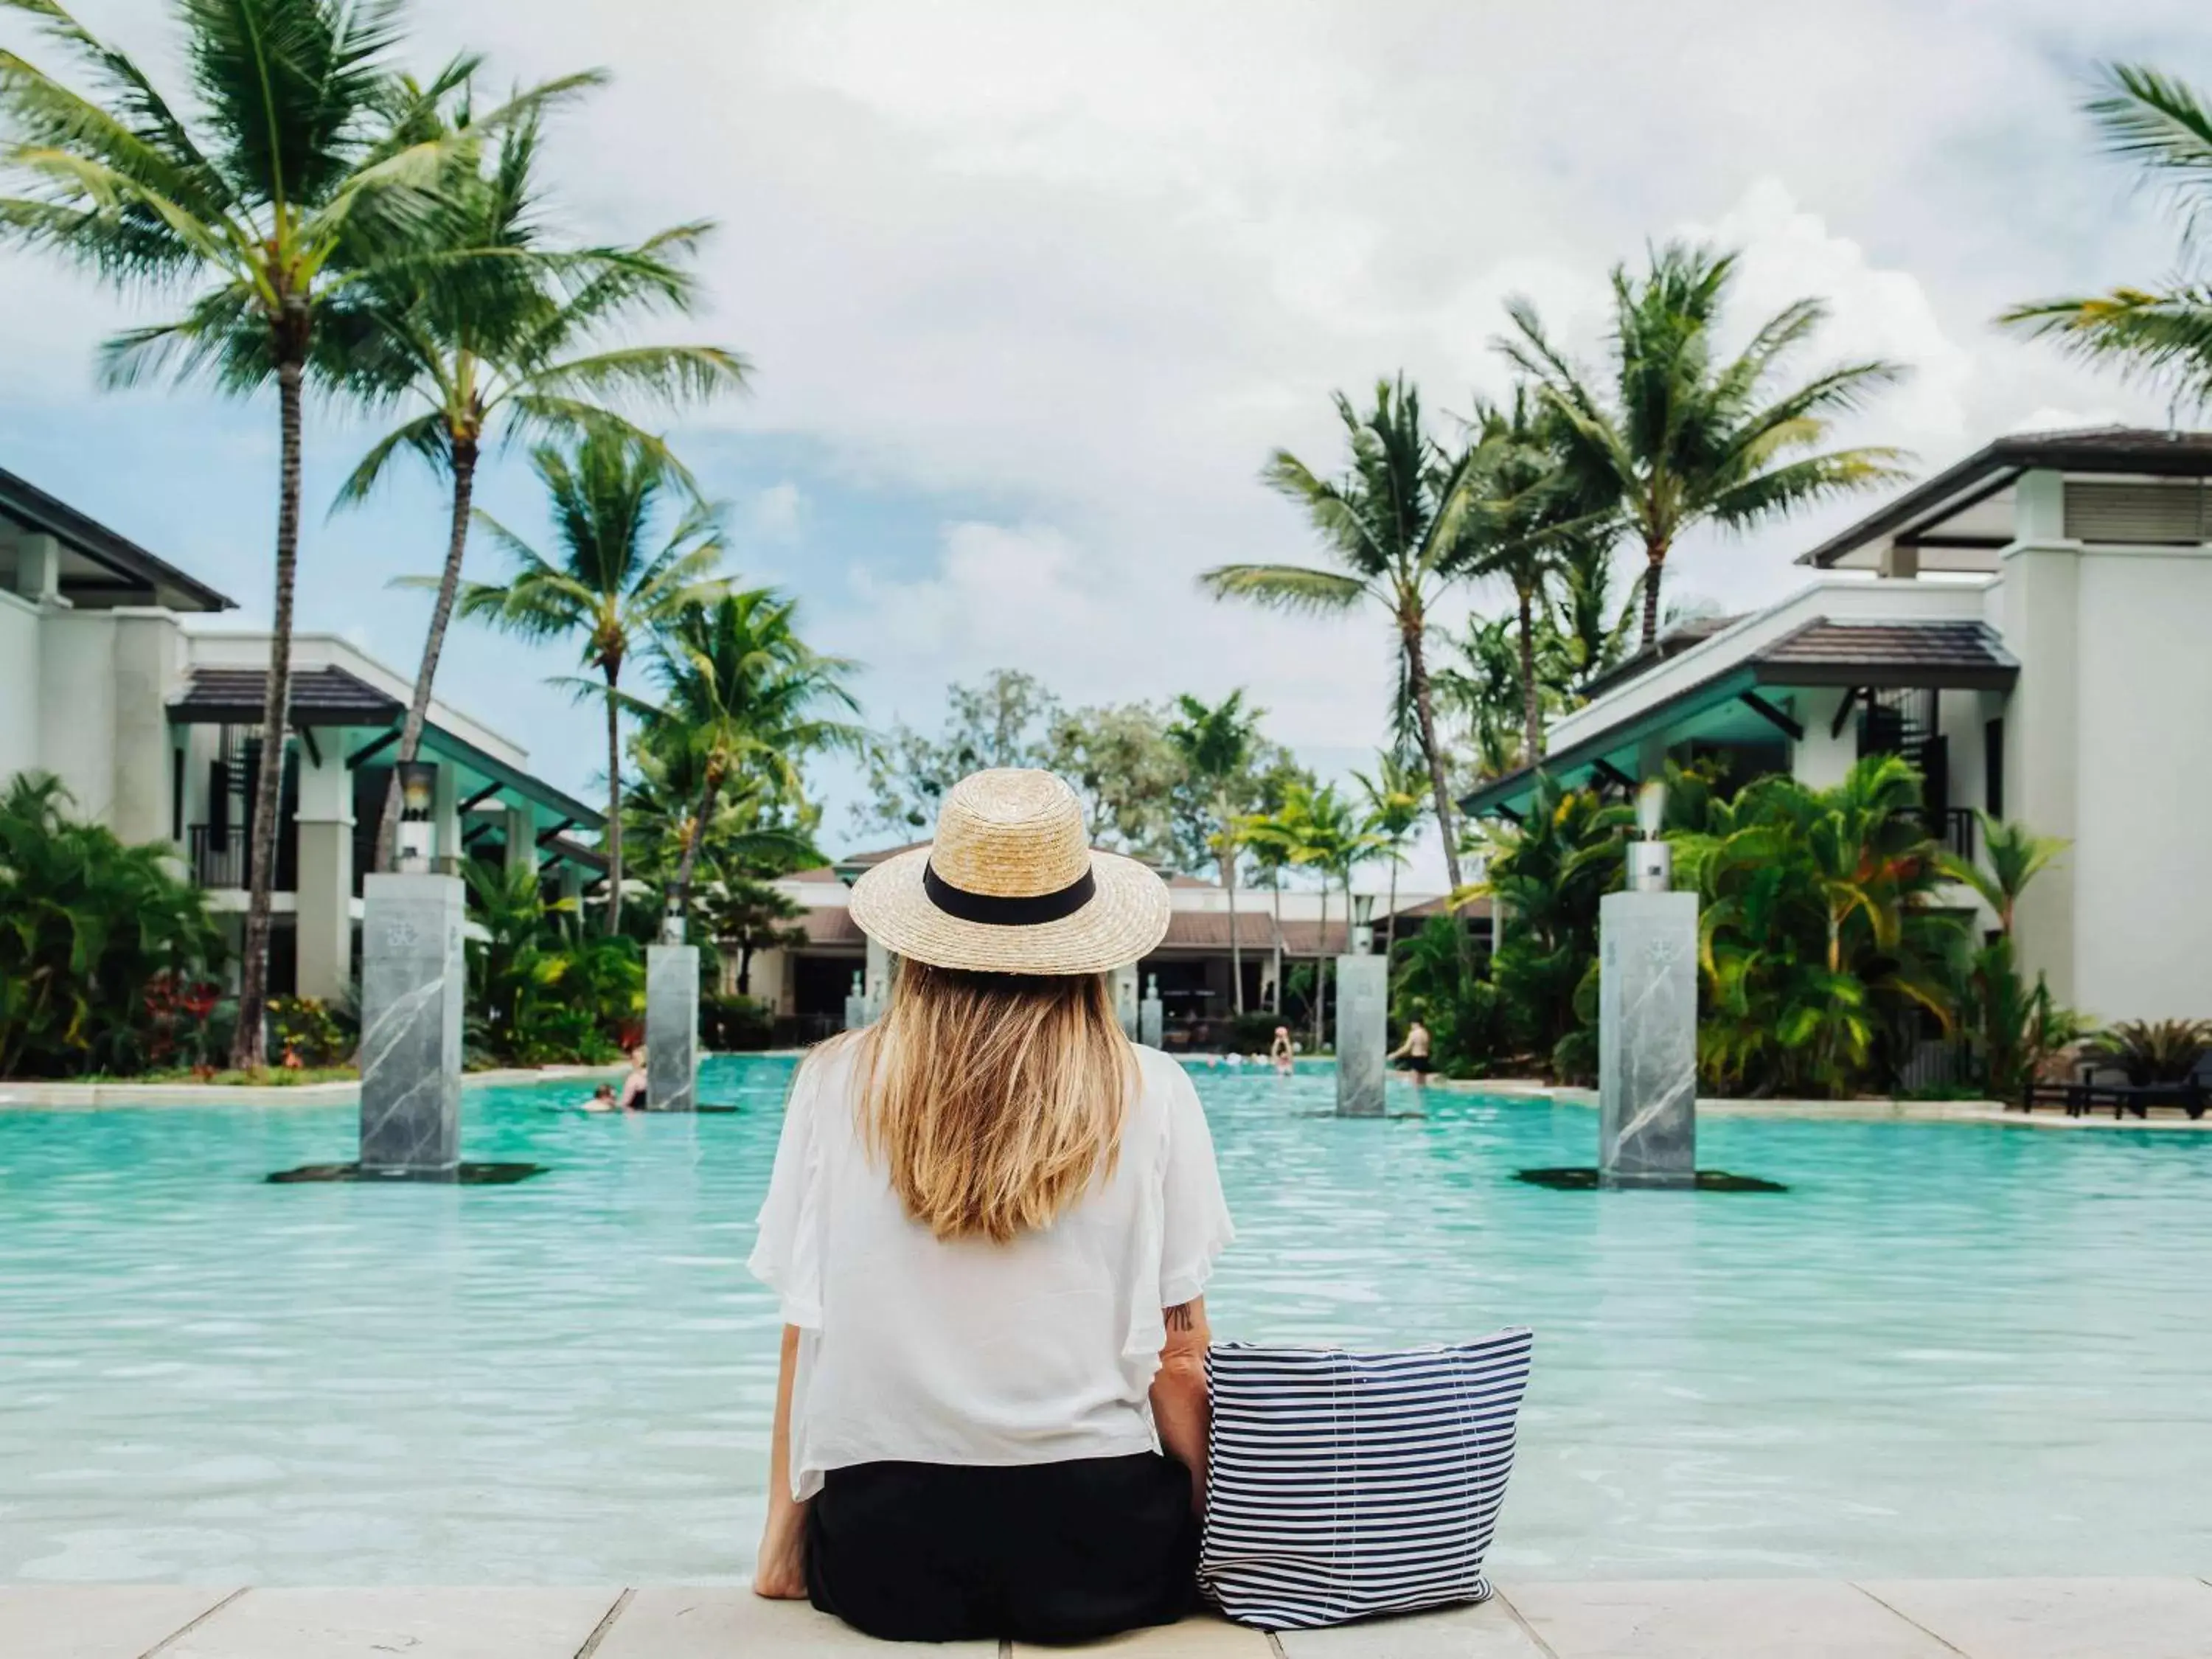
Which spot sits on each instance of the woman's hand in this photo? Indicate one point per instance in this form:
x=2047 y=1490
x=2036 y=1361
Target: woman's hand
x=779 y=1573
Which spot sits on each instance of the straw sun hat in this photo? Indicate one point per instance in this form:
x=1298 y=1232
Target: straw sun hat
x=1011 y=885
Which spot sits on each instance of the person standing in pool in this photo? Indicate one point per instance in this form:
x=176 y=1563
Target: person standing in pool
x=632 y=1098
x=1280 y=1052
x=1414 y=1054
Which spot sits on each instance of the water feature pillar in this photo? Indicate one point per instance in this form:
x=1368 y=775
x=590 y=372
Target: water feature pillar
x=856 y=1004
x=671 y=1028
x=1363 y=1033
x=877 y=990
x=1151 y=1016
x=1123 y=982
x=412 y=975
x=1647 y=1023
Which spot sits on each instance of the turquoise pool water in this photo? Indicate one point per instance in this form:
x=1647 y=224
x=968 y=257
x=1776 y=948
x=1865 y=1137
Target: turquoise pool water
x=1946 y=1350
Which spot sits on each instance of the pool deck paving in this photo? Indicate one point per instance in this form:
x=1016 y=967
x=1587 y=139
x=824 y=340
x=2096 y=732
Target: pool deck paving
x=1671 y=1619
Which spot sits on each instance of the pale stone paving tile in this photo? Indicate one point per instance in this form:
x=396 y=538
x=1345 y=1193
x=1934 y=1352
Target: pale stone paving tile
x=731 y=1622
x=1721 y=1619
x=1487 y=1632
x=419 y=1623
x=1204 y=1637
x=2059 y=1618
x=95 y=1621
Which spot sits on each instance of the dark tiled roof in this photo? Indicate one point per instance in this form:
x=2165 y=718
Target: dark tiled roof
x=1824 y=653
x=575 y=852
x=2124 y=449
x=1473 y=909
x=23 y=500
x=831 y=925
x=1208 y=930
x=320 y=696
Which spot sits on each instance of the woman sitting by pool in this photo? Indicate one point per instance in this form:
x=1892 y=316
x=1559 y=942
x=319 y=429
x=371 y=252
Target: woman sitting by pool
x=990 y=1222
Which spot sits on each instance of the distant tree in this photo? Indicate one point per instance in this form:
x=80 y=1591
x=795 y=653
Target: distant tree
x=1392 y=797
x=743 y=916
x=1006 y=719
x=1681 y=434
x=1216 y=743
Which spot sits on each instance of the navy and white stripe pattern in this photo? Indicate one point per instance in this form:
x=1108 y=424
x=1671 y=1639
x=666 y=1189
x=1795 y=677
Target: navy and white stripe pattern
x=1345 y=1485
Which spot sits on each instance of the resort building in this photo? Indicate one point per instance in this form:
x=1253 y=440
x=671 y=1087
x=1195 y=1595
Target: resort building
x=1193 y=968
x=112 y=678
x=2028 y=627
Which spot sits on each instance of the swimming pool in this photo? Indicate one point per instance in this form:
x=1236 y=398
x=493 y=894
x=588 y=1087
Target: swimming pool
x=1948 y=1350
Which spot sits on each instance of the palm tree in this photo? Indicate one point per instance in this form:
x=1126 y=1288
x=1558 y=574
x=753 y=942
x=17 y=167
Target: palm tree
x=1589 y=632
x=1484 y=687
x=1395 y=524
x=507 y=343
x=607 y=587
x=1528 y=514
x=1684 y=436
x=2163 y=333
x=741 y=698
x=2016 y=855
x=288 y=179
x=1393 y=797
x=1216 y=745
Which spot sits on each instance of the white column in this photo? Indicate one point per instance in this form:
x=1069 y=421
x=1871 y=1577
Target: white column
x=2040 y=604
x=39 y=569
x=521 y=839
x=325 y=920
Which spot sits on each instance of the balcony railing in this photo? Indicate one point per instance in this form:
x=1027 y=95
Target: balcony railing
x=1953 y=830
x=222 y=855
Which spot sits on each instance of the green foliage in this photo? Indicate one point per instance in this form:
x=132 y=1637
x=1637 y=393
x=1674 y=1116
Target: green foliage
x=1679 y=434
x=741 y=916
x=1819 y=941
x=2153 y=1051
x=105 y=951
x=306 y=1031
x=1545 y=876
x=1436 y=980
x=2161 y=333
x=542 y=992
x=1141 y=795
x=735 y=1025
x=2017 y=1028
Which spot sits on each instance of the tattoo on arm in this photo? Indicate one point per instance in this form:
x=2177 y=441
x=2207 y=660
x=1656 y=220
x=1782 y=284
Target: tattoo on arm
x=1178 y=1317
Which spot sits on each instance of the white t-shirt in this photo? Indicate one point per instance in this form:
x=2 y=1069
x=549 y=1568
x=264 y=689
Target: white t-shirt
x=1039 y=1350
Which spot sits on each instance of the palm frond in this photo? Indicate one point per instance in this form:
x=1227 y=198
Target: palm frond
x=1285 y=587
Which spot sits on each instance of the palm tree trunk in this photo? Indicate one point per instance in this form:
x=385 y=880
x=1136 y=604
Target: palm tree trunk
x=614 y=809
x=1417 y=670
x=1532 y=714
x=249 y=1044
x=1229 y=882
x=1654 y=562
x=1320 y=963
x=1277 y=1010
x=1391 y=910
x=433 y=643
x=690 y=862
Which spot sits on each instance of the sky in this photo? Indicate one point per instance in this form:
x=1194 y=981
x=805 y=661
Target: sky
x=1032 y=290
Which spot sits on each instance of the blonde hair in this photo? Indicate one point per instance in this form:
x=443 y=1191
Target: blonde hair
x=994 y=1098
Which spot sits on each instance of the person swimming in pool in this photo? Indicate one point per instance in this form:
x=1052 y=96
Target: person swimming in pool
x=601 y=1100
x=1280 y=1052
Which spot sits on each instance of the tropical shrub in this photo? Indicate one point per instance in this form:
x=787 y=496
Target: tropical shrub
x=105 y=949
x=736 y=1024
x=542 y=992
x=1436 y=980
x=307 y=1031
x=2153 y=1051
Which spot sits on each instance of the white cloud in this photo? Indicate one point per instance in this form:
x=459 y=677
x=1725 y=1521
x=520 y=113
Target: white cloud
x=1080 y=269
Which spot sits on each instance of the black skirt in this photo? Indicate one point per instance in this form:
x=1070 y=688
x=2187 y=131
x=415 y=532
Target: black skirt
x=1041 y=1552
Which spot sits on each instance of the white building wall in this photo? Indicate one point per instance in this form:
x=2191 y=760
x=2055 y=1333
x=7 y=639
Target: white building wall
x=2143 y=830
x=1820 y=759
x=77 y=707
x=20 y=632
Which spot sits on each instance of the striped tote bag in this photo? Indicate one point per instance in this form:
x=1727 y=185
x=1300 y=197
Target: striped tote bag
x=1340 y=1486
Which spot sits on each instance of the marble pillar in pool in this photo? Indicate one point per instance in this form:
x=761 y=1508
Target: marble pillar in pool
x=671 y=1028
x=412 y=977
x=1152 y=1015
x=1363 y=1033
x=1646 y=1035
